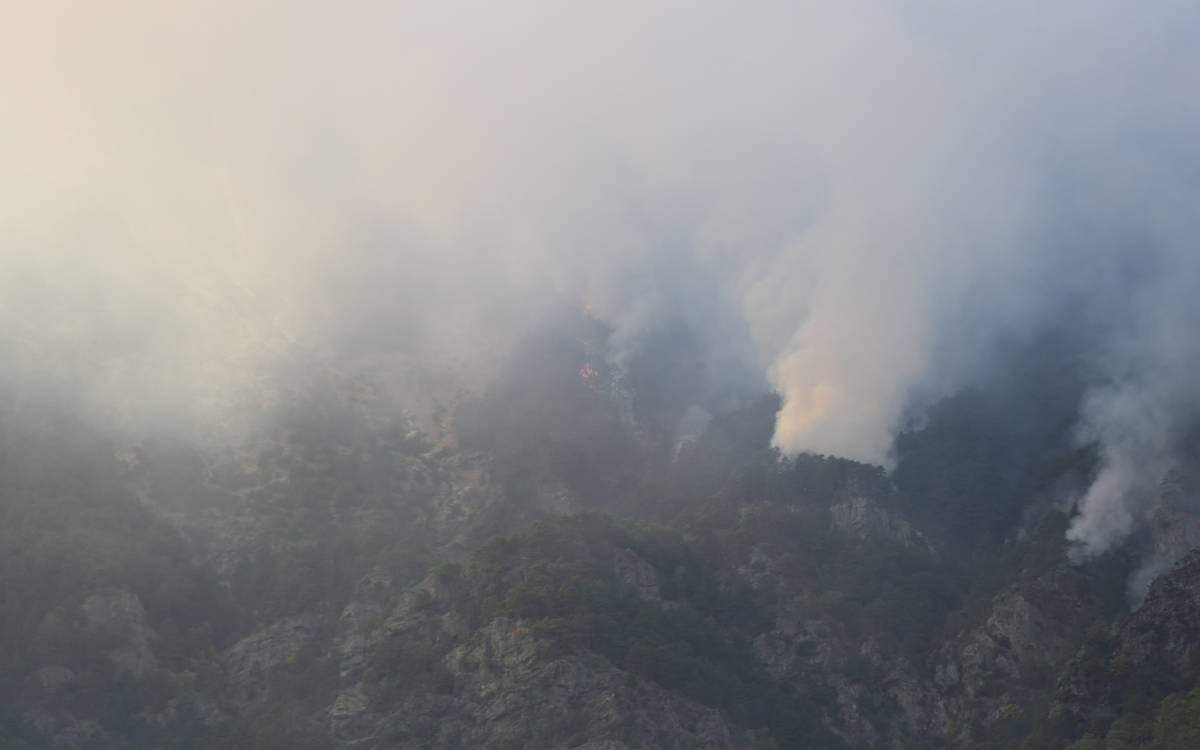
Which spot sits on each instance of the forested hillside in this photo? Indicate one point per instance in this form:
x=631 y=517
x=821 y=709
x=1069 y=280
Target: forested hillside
x=614 y=376
x=539 y=569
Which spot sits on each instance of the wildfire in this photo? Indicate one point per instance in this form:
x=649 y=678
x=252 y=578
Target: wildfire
x=589 y=374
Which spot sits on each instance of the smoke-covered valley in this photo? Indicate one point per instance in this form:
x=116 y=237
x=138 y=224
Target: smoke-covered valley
x=316 y=295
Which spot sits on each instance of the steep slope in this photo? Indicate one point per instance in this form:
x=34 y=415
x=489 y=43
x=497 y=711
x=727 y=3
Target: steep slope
x=358 y=576
x=1127 y=678
x=442 y=669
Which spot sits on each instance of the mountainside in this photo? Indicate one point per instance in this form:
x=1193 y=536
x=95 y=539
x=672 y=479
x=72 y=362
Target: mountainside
x=616 y=375
x=540 y=568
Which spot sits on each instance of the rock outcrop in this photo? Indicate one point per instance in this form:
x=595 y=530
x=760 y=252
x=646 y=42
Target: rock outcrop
x=863 y=518
x=119 y=620
x=249 y=662
x=1158 y=643
x=424 y=678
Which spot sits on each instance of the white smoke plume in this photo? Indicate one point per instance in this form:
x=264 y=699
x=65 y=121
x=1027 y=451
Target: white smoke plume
x=850 y=199
x=1143 y=418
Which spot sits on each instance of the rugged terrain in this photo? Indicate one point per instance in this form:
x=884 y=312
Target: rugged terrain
x=476 y=577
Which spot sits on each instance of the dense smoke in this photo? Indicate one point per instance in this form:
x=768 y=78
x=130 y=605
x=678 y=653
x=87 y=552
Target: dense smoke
x=850 y=201
x=1144 y=415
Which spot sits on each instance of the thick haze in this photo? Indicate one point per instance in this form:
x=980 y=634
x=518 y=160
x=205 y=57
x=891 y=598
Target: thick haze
x=848 y=200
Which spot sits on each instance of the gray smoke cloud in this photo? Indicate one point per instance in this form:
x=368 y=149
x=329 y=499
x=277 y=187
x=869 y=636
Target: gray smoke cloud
x=1143 y=416
x=847 y=200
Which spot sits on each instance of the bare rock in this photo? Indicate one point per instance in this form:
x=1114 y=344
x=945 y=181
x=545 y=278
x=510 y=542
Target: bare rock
x=119 y=619
x=864 y=519
x=249 y=661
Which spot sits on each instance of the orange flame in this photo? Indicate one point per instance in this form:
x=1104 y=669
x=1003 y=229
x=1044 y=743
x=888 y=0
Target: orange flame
x=587 y=372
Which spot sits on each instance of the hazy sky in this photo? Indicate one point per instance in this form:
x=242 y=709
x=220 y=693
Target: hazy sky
x=849 y=198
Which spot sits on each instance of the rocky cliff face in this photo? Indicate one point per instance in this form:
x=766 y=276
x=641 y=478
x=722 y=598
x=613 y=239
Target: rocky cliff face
x=1163 y=631
x=504 y=684
x=500 y=687
x=960 y=689
x=1155 y=649
x=445 y=663
x=118 y=619
x=788 y=604
x=1000 y=669
x=864 y=519
x=417 y=668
